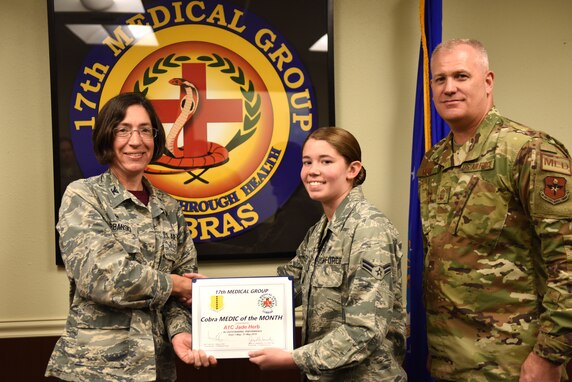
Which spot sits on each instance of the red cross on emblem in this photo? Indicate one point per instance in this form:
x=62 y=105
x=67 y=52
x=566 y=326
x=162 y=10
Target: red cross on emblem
x=267 y=303
x=209 y=110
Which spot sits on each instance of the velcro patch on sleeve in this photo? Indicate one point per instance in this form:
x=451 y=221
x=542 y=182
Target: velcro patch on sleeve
x=555 y=191
x=551 y=196
x=377 y=271
x=552 y=163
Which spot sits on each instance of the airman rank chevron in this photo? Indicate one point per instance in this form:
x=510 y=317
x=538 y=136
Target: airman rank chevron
x=377 y=271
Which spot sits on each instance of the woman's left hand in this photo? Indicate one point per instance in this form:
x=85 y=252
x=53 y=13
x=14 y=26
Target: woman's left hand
x=271 y=358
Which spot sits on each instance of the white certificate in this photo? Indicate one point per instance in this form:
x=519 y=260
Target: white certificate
x=232 y=316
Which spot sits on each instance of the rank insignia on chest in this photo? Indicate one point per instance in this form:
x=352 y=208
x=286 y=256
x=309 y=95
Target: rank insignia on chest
x=555 y=190
x=377 y=271
x=443 y=195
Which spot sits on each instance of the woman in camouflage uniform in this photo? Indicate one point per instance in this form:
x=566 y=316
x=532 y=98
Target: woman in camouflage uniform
x=347 y=275
x=125 y=245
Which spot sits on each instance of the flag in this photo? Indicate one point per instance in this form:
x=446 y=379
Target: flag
x=428 y=129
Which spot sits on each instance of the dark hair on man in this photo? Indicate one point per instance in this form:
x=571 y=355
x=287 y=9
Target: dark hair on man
x=344 y=143
x=109 y=117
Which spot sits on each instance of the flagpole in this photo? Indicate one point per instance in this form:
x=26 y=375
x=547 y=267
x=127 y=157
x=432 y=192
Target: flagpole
x=428 y=128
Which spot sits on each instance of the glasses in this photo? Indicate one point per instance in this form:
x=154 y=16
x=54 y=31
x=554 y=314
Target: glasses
x=146 y=132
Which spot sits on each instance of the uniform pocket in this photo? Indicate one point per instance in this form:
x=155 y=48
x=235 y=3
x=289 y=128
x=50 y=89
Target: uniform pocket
x=103 y=347
x=128 y=240
x=327 y=290
x=480 y=212
x=328 y=276
x=102 y=336
x=89 y=314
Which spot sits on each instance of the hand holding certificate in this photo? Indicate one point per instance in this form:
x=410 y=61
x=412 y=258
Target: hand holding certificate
x=232 y=316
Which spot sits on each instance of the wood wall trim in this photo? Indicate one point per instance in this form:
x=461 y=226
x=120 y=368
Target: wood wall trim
x=32 y=328
x=55 y=327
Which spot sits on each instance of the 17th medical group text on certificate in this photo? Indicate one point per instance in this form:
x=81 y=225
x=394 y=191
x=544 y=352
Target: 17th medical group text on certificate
x=232 y=316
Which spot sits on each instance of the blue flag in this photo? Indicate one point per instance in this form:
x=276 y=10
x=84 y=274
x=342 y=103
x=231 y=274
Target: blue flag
x=428 y=129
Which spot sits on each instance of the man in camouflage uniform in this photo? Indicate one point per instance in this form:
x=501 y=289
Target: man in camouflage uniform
x=497 y=227
x=347 y=277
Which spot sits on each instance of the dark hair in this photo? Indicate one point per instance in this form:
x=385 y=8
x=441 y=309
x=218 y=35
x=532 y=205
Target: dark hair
x=109 y=117
x=344 y=143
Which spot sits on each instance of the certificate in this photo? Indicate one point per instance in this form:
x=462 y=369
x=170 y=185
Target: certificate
x=232 y=316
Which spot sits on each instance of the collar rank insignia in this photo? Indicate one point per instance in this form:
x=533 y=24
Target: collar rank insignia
x=554 y=190
x=377 y=271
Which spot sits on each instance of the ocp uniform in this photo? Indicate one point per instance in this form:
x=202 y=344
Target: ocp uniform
x=495 y=234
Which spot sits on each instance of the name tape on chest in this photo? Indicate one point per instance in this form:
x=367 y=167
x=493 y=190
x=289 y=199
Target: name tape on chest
x=330 y=260
x=478 y=166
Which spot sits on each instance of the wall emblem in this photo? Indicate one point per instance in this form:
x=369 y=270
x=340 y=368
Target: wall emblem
x=235 y=101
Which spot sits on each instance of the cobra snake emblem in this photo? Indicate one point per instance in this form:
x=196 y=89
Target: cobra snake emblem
x=174 y=159
x=189 y=105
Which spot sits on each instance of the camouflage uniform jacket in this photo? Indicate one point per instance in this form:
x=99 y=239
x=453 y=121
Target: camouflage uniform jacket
x=118 y=255
x=350 y=292
x=497 y=229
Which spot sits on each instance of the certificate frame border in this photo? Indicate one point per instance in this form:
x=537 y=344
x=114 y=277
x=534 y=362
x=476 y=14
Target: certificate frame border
x=236 y=282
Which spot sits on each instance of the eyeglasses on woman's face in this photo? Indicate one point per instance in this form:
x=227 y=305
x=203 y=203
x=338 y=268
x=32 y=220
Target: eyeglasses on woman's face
x=146 y=132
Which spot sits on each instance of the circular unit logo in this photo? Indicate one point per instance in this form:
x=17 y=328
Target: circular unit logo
x=267 y=302
x=234 y=99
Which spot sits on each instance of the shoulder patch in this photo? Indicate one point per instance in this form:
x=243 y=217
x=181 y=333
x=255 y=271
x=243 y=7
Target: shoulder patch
x=547 y=147
x=377 y=271
x=554 y=163
x=555 y=191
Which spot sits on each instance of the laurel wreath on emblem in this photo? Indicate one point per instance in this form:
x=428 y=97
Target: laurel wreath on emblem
x=252 y=100
x=159 y=68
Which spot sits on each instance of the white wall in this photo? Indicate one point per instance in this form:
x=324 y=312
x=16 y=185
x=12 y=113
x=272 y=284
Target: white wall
x=376 y=53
